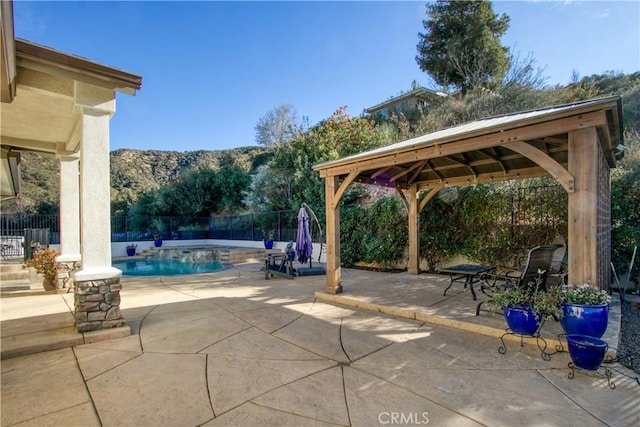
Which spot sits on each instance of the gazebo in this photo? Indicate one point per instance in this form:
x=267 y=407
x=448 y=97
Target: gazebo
x=577 y=144
x=58 y=103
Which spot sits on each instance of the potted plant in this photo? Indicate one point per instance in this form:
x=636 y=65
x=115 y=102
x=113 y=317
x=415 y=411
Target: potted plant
x=585 y=310
x=268 y=239
x=158 y=226
x=44 y=262
x=131 y=249
x=525 y=307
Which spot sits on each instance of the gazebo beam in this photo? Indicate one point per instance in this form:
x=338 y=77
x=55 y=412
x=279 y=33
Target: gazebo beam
x=554 y=168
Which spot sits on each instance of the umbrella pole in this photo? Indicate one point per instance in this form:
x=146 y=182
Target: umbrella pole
x=315 y=218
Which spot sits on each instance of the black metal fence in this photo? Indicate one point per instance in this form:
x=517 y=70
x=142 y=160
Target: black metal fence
x=279 y=225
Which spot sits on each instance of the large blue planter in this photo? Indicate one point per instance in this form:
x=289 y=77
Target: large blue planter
x=522 y=320
x=586 y=352
x=588 y=320
x=268 y=244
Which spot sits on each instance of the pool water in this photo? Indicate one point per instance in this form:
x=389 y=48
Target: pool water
x=163 y=267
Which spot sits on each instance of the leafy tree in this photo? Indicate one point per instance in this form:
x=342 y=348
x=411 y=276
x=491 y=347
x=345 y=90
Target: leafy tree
x=279 y=125
x=461 y=46
x=289 y=179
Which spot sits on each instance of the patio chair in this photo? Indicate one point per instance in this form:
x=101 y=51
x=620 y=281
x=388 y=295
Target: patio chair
x=539 y=258
x=558 y=270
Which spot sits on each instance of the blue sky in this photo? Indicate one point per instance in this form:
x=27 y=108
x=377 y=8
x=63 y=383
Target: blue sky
x=212 y=69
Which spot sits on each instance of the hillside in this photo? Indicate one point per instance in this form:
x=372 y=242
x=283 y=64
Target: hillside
x=133 y=172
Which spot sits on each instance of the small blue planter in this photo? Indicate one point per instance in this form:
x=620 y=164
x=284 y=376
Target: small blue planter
x=157 y=243
x=522 y=320
x=268 y=244
x=586 y=352
x=582 y=319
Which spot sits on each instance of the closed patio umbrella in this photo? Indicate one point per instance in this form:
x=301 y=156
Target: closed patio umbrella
x=304 y=247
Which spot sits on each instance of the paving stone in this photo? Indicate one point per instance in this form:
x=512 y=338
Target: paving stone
x=153 y=390
x=319 y=396
x=235 y=380
x=251 y=414
x=184 y=332
x=253 y=343
x=40 y=384
x=373 y=401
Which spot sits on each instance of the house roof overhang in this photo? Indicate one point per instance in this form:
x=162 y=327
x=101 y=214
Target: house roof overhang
x=43 y=114
x=499 y=148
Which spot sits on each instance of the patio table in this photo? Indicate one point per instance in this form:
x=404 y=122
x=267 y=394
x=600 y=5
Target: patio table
x=467 y=273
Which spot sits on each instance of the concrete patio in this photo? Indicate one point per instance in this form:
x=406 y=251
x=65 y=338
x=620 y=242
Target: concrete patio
x=231 y=348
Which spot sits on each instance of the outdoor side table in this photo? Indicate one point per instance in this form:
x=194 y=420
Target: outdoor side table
x=466 y=273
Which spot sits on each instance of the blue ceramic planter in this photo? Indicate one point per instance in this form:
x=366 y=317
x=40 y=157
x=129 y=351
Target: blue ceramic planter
x=522 y=320
x=268 y=244
x=131 y=251
x=157 y=243
x=586 y=352
x=588 y=320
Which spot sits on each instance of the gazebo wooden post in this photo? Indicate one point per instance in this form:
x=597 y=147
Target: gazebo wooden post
x=333 y=193
x=334 y=273
x=589 y=234
x=414 y=231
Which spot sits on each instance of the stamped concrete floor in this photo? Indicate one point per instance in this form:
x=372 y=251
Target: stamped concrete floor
x=233 y=349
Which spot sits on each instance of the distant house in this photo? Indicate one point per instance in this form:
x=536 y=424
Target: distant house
x=407 y=103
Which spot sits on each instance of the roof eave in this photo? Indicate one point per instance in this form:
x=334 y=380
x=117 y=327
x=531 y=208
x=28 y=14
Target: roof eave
x=114 y=78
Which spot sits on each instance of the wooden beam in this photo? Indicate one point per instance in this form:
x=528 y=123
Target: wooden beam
x=428 y=196
x=493 y=156
x=380 y=172
x=583 y=206
x=405 y=171
x=485 y=177
x=545 y=161
x=403 y=198
x=334 y=272
x=343 y=187
x=413 y=266
x=434 y=150
x=417 y=172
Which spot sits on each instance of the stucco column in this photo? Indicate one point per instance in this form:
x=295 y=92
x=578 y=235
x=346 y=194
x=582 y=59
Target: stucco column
x=69 y=208
x=95 y=198
x=69 y=259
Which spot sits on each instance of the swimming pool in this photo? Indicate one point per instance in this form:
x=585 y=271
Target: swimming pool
x=164 y=267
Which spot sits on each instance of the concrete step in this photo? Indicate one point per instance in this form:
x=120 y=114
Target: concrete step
x=12 y=271
x=14 y=275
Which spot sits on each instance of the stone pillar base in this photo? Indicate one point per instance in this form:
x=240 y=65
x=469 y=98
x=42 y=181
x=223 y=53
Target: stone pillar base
x=64 y=280
x=97 y=304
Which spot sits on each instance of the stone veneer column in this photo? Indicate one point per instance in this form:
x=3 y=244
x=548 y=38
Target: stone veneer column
x=97 y=290
x=97 y=304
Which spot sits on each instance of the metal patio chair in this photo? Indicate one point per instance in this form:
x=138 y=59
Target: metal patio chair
x=539 y=258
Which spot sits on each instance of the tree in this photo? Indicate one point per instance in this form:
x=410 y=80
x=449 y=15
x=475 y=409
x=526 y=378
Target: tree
x=277 y=126
x=461 y=46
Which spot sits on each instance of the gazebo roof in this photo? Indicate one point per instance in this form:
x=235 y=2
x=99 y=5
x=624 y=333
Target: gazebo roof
x=491 y=149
